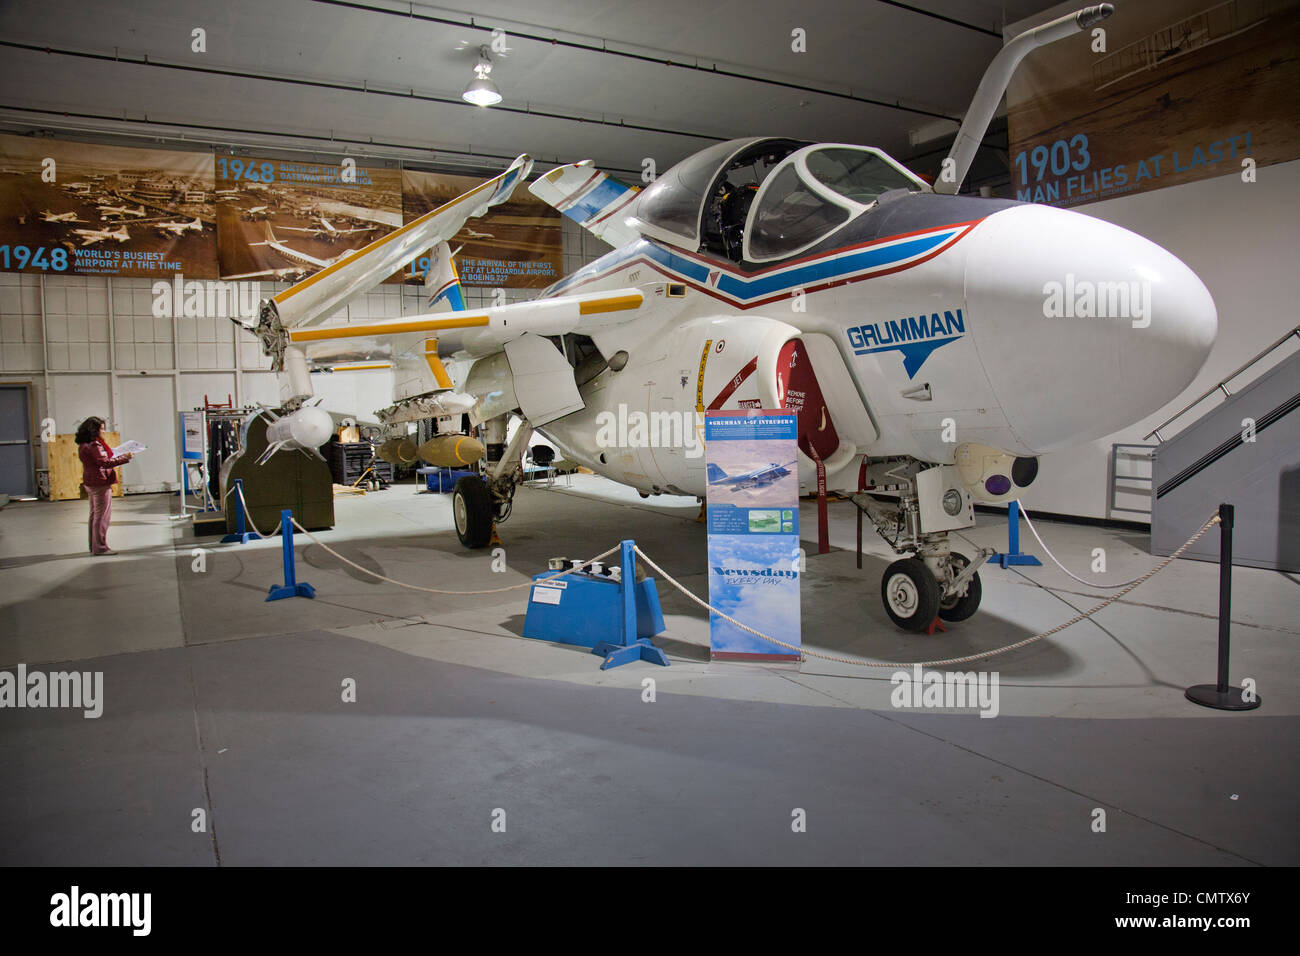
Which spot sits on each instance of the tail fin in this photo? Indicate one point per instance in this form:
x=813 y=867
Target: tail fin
x=442 y=292
x=715 y=473
x=590 y=198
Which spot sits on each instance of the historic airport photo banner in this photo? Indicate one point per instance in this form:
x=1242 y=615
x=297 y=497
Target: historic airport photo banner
x=285 y=219
x=753 y=519
x=517 y=245
x=1163 y=92
x=84 y=209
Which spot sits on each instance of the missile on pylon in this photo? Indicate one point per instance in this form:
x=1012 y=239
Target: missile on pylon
x=304 y=430
x=397 y=451
x=451 y=451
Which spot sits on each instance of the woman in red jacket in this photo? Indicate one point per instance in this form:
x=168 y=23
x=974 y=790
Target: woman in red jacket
x=97 y=464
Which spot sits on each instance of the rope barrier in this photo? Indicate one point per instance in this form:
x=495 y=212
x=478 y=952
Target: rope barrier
x=417 y=587
x=247 y=515
x=803 y=652
x=947 y=661
x=1092 y=584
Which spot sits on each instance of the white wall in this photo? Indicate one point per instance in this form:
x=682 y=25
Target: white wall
x=1243 y=240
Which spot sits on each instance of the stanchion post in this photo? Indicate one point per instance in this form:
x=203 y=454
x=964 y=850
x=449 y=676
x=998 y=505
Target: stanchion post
x=1221 y=696
x=241 y=533
x=630 y=646
x=1012 y=555
x=291 y=586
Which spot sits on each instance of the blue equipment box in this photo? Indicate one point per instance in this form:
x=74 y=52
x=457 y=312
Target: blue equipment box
x=443 y=480
x=587 y=609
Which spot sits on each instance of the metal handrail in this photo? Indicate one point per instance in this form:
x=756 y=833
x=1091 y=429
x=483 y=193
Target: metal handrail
x=1221 y=386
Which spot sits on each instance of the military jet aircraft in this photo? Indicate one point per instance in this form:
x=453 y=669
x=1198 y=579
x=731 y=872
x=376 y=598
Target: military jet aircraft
x=752 y=479
x=907 y=325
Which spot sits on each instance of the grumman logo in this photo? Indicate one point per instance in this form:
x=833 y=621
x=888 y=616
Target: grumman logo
x=915 y=336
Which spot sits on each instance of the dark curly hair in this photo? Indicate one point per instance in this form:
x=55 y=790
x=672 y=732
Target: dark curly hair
x=89 y=430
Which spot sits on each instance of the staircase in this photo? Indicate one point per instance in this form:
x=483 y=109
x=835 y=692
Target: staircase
x=1245 y=451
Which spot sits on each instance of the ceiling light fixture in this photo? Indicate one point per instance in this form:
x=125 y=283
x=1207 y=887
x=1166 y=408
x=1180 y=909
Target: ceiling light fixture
x=481 y=90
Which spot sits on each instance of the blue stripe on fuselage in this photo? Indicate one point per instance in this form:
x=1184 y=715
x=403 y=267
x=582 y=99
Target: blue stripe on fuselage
x=763 y=285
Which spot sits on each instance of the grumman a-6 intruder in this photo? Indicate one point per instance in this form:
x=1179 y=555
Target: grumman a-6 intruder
x=905 y=324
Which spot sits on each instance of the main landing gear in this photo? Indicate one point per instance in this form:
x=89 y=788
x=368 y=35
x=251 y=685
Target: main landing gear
x=933 y=582
x=480 y=502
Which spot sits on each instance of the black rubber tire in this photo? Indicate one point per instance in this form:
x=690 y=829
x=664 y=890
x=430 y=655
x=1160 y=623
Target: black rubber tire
x=916 y=600
x=471 y=508
x=959 y=609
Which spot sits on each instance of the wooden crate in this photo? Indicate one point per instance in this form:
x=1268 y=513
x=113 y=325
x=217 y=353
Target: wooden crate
x=65 y=467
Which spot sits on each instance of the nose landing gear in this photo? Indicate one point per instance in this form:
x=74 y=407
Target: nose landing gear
x=933 y=582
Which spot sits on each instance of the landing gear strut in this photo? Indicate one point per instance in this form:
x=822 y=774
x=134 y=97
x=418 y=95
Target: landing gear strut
x=934 y=581
x=478 y=504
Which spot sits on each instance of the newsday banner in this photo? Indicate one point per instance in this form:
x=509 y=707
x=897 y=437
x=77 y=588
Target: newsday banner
x=84 y=209
x=517 y=245
x=753 y=508
x=1162 y=92
x=283 y=220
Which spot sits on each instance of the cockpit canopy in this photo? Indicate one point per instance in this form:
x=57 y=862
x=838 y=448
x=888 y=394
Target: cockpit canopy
x=764 y=199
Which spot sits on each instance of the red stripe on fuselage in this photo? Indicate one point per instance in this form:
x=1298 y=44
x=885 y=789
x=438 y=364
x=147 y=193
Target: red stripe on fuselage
x=744 y=306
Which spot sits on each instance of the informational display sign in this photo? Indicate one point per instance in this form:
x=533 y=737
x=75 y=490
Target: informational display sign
x=192 y=435
x=84 y=209
x=753 y=513
x=1161 y=93
x=517 y=245
x=285 y=219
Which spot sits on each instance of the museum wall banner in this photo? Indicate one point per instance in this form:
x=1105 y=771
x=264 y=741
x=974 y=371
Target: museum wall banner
x=1163 y=92
x=751 y=460
x=85 y=209
x=283 y=219
x=517 y=245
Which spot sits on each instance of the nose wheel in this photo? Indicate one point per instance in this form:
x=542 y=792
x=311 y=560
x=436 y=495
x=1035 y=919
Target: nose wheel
x=958 y=607
x=910 y=594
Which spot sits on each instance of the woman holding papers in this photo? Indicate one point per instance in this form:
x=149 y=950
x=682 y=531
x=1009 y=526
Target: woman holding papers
x=97 y=464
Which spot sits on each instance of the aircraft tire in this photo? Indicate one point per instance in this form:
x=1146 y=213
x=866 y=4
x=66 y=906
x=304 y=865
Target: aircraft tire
x=910 y=594
x=471 y=508
x=962 y=607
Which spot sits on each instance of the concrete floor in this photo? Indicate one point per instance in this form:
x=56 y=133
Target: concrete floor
x=216 y=700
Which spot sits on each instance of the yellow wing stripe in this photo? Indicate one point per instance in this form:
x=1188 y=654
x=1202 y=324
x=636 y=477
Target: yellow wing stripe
x=383 y=240
x=364 y=330
x=616 y=303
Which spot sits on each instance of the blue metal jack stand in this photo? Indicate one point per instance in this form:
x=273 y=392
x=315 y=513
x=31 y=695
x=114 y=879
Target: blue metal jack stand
x=243 y=536
x=1013 y=554
x=582 y=608
x=291 y=587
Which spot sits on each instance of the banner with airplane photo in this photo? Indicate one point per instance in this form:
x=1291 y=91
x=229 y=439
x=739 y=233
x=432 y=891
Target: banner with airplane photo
x=751 y=461
x=85 y=209
x=282 y=220
x=517 y=245
x=1162 y=92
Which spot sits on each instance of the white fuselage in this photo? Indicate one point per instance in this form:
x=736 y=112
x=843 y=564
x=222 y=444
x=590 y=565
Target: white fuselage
x=921 y=342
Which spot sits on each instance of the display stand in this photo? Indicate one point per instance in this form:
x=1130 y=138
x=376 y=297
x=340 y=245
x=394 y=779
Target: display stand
x=1013 y=555
x=291 y=587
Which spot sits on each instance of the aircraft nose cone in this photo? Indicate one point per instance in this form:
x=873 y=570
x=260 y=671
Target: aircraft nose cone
x=1083 y=327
